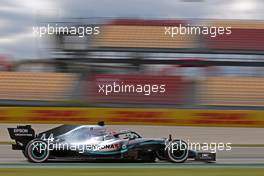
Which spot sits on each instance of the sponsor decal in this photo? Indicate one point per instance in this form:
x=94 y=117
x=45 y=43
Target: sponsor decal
x=109 y=146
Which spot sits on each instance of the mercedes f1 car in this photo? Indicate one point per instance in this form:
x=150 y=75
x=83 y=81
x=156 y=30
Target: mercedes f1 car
x=93 y=142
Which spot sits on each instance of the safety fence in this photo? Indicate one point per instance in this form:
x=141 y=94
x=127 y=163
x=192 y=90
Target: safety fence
x=133 y=116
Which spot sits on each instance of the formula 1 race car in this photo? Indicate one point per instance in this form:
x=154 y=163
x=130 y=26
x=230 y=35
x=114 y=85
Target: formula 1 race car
x=93 y=142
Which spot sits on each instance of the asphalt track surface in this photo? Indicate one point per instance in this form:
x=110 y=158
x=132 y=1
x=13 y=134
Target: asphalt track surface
x=237 y=157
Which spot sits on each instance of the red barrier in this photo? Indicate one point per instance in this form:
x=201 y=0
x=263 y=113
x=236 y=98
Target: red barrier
x=240 y=39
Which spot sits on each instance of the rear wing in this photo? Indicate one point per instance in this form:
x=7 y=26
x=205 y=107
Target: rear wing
x=22 y=135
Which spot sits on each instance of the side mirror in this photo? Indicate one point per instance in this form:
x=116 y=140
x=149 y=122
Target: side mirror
x=170 y=138
x=101 y=123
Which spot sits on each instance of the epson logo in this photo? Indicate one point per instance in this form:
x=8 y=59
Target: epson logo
x=20 y=130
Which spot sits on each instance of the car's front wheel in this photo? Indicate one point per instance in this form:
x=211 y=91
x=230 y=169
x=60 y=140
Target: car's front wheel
x=177 y=151
x=37 y=151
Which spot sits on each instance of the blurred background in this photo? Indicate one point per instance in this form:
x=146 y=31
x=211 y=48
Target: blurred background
x=200 y=71
x=210 y=81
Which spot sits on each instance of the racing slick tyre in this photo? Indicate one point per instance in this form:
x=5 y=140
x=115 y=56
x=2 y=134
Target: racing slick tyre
x=37 y=151
x=177 y=151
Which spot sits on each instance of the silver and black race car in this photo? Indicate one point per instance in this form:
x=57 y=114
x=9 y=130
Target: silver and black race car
x=93 y=142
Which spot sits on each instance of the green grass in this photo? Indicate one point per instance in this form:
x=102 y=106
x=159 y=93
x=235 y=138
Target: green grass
x=133 y=172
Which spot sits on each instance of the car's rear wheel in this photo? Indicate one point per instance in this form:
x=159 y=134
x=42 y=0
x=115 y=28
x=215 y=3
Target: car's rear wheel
x=37 y=151
x=177 y=151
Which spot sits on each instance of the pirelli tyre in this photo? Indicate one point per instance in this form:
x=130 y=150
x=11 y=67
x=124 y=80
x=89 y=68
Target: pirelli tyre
x=37 y=151
x=177 y=151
